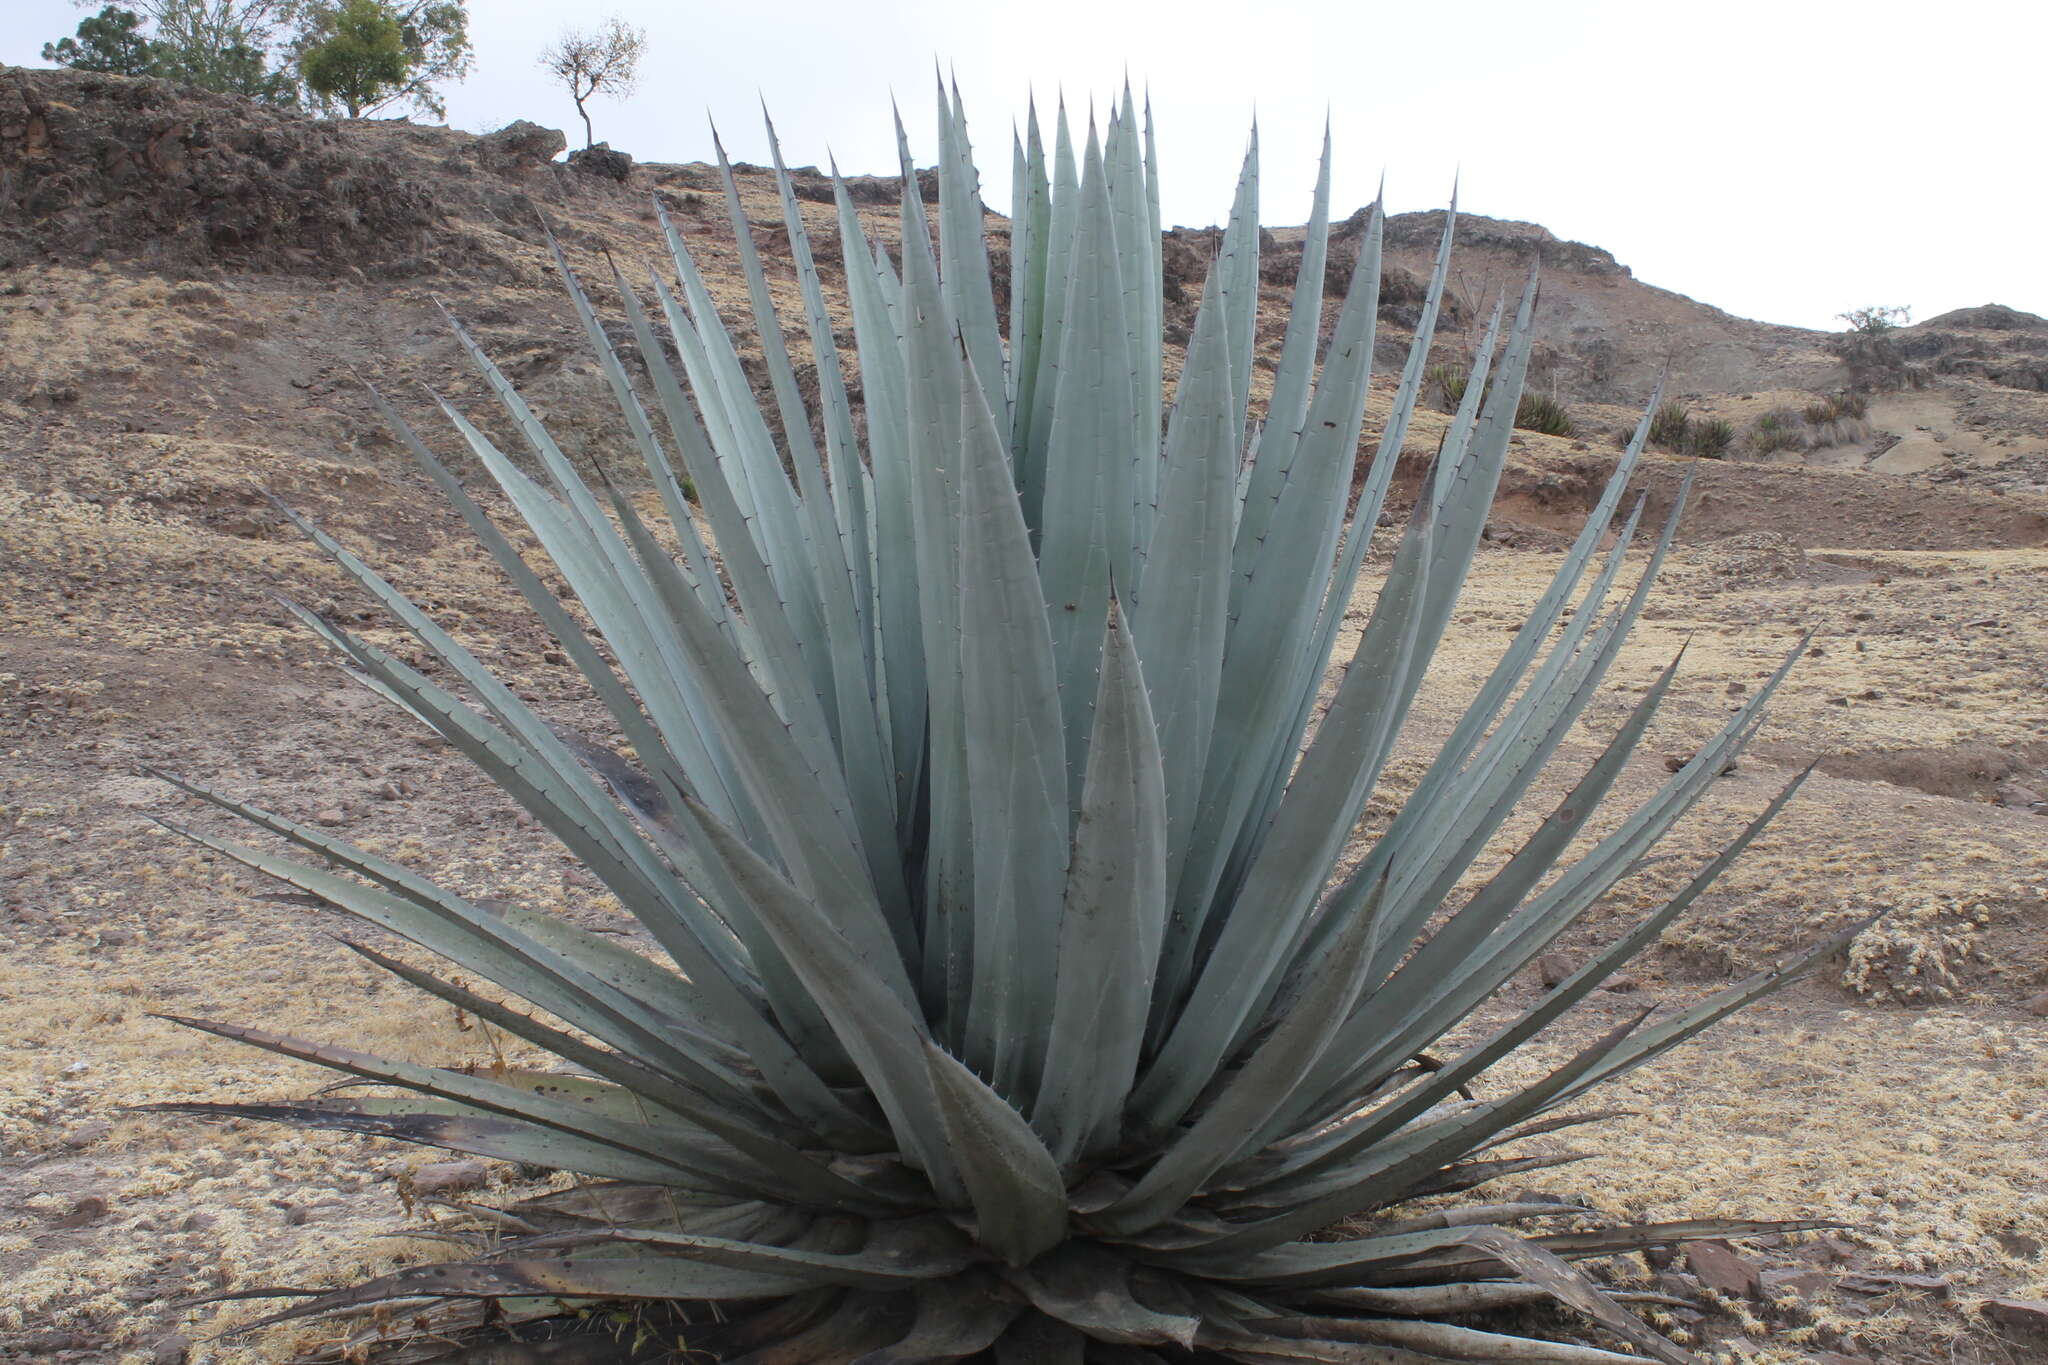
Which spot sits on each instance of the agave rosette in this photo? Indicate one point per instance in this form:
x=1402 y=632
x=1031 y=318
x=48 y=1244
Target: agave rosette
x=1012 y=989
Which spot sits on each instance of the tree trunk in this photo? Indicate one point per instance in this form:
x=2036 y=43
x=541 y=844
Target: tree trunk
x=589 y=137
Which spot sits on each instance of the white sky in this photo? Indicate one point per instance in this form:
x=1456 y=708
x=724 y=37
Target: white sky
x=1781 y=159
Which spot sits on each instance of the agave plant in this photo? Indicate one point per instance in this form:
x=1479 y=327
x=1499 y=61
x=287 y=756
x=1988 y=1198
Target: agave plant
x=1017 y=986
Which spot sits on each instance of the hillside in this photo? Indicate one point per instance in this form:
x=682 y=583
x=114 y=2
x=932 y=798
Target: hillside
x=190 y=290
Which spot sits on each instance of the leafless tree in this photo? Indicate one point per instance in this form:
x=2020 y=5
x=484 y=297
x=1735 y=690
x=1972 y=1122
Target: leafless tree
x=603 y=62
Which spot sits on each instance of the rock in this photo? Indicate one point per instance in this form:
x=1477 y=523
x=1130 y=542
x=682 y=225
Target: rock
x=2028 y=1314
x=601 y=160
x=518 y=147
x=2037 y=1005
x=330 y=818
x=1804 y=1283
x=2017 y=797
x=1833 y=1248
x=1623 y=985
x=2014 y=1243
x=1722 y=1269
x=199 y=1222
x=172 y=1350
x=390 y=792
x=86 y=1134
x=1553 y=968
x=55 y=1343
x=116 y=938
x=1679 y=1284
x=86 y=1210
x=449 y=1177
x=1877 y=1282
x=1837 y=1358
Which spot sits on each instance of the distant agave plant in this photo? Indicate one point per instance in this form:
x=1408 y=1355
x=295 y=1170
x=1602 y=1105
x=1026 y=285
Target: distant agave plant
x=1015 y=998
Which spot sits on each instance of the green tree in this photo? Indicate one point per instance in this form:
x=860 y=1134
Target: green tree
x=358 y=60
x=109 y=41
x=432 y=40
x=227 y=46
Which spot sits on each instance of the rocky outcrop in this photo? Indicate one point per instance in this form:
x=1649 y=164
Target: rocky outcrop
x=95 y=165
x=519 y=148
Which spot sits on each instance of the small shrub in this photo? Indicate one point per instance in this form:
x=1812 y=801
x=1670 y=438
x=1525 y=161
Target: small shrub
x=1448 y=383
x=1781 y=428
x=1877 y=319
x=1836 y=407
x=1710 y=438
x=1669 y=426
x=1542 y=413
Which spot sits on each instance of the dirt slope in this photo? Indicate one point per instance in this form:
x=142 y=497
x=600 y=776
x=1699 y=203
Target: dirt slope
x=189 y=288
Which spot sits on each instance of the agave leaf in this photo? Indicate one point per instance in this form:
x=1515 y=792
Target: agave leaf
x=1016 y=777
x=647 y=1086
x=1088 y=1287
x=560 y=986
x=842 y=452
x=1442 y=1341
x=789 y=675
x=1035 y=1339
x=660 y=1143
x=1258 y=1088
x=841 y=564
x=1454 y=949
x=897 y=1254
x=651 y=452
x=449 y=1125
x=963 y=257
x=956 y=1317
x=851 y=986
x=1113 y=917
x=1180 y=608
x=582 y=1277
x=1011 y=1181
x=1476 y=1215
x=900 y=668
x=1276 y=590
x=1137 y=250
x=1062 y=241
x=1324 y=801
x=1472 y=1296
x=935 y=381
x=1393 y=1166
x=628 y=1090
x=850 y=1327
x=801 y=449
x=603 y=679
x=1611 y=1241
x=1288 y=407
x=1235 y=277
x=628 y=613
x=740 y=433
x=1669 y=1034
x=1089 y=525
x=799 y=795
x=1578 y=985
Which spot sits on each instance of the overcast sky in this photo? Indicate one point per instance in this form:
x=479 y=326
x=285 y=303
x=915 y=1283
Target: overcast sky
x=1785 y=160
